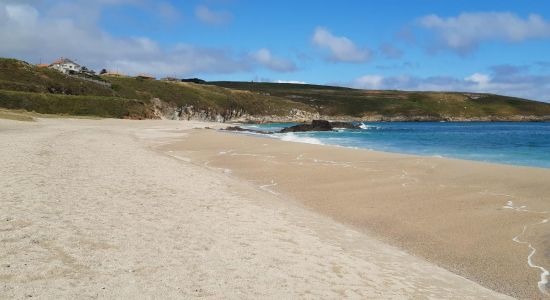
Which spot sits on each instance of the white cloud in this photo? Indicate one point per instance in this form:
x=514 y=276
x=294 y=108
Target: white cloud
x=23 y=15
x=205 y=15
x=522 y=85
x=369 y=81
x=265 y=58
x=341 y=49
x=32 y=34
x=479 y=79
x=291 y=81
x=466 y=31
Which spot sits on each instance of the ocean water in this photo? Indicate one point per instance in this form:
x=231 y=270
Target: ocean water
x=526 y=144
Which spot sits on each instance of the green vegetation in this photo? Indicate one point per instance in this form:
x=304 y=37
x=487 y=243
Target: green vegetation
x=202 y=96
x=334 y=101
x=20 y=76
x=43 y=90
x=25 y=86
x=109 y=107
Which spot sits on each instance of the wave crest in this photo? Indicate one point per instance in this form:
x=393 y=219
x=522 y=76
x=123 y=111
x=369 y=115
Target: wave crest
x=291 y=137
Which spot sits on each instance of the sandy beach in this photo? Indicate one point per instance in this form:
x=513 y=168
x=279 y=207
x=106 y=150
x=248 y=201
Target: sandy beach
x=104 y=209
x=486 y=222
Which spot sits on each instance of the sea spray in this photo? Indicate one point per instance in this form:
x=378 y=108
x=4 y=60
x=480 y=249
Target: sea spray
x=291 y=137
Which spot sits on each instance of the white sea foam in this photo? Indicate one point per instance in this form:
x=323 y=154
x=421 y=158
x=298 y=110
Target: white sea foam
x=367 y=127
x=544 y=273
x=291 y=137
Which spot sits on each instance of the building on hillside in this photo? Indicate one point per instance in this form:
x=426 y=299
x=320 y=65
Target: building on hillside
x=42 y=65
x=66 y=66
x=87 y=72
x=171 y=79
x=145 y=76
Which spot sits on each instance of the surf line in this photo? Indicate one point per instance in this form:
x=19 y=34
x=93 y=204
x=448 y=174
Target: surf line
x=543 y=272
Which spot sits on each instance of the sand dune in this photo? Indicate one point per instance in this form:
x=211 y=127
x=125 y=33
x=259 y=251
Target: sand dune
x=91 y=209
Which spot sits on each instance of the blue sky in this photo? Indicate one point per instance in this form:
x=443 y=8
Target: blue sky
x=481 y=46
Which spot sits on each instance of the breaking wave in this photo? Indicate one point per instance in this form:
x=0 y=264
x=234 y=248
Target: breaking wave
x=291 y=137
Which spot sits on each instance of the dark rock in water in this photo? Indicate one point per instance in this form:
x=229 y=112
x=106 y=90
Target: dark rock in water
x=237 y=128
x=316 y=125
x=320 y=125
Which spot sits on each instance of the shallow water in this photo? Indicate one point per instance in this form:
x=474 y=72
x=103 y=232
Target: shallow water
x=516 y=143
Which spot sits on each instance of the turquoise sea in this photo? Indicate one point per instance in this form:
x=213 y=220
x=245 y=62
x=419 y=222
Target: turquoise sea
x=514 y=143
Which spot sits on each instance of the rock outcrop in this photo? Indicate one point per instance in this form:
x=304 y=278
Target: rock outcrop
x=316 y=125
x=320 y=125
x=169 y=111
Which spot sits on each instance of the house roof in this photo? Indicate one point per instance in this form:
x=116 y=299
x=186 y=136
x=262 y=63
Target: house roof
x=63 y=60
x=42 y=65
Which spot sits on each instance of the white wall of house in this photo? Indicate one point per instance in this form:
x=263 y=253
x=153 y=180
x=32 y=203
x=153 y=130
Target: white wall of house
x=67 y=67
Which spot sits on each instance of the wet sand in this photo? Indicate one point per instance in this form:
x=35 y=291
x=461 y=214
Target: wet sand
x=468 y=217
x=93 y=209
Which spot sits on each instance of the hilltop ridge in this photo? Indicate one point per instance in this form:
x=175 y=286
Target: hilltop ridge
x=44 y=90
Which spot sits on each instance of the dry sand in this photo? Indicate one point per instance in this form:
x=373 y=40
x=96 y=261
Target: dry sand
x=482 y=221
x=91 y=209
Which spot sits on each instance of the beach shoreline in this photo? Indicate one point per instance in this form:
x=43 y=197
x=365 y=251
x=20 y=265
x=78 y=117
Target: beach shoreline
x=95 y=209
x=462 y=215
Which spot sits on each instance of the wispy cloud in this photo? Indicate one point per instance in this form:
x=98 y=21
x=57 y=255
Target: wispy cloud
x=467 y=31
x=208 y=16
x=340 y=48
x=499 y=80
x=167 y=11
x=371 y=81
x=266 y=59
x=391 y=52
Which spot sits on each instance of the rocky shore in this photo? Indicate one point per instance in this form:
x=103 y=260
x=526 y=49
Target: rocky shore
x=170 y=111
x=315 y=125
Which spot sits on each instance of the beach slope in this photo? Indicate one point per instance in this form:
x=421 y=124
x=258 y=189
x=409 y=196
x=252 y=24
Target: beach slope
x=91 y=209
x=486 y=222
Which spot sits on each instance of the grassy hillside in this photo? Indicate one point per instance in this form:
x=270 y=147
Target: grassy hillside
x=202 y=96
x=359 y=103
x=101 y=106
x=25 y=86
x=43 y=90
x=20 y=76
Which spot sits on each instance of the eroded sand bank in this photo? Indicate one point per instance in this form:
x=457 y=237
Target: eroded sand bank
x=91 y=208
x=486 y=222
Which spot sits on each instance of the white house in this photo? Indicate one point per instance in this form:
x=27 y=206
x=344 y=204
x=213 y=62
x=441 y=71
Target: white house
x=66 y=66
